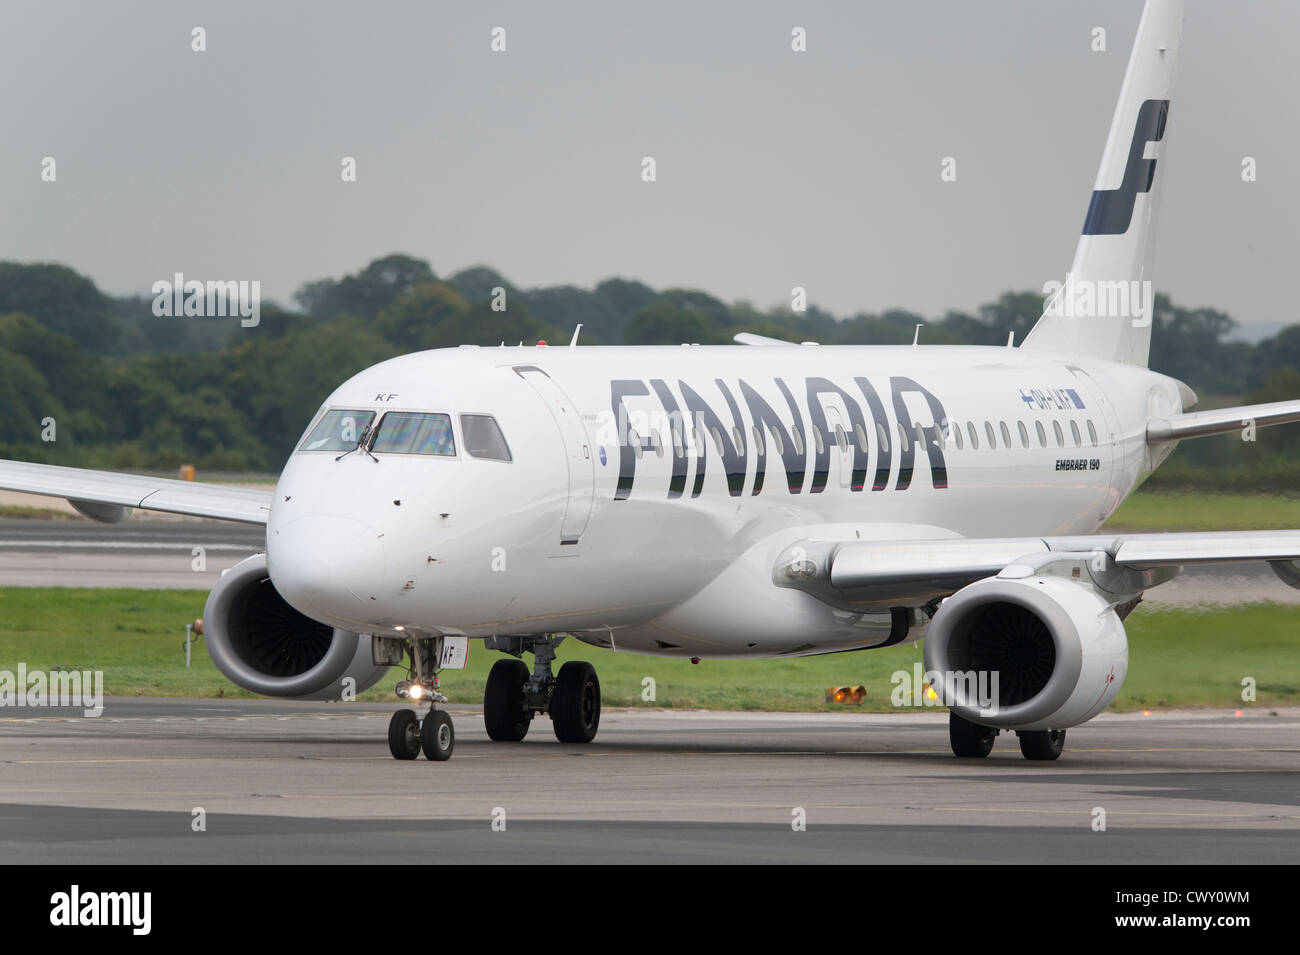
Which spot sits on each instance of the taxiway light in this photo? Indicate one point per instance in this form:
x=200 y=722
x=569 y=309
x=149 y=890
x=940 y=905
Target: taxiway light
x=846 y=694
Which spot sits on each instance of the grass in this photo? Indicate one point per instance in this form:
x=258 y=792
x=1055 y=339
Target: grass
x=22 y=511
x=1179 y=658
x=1192 y=511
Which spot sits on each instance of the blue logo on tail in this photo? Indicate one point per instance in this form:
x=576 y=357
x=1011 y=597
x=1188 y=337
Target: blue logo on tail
x=1111 y=210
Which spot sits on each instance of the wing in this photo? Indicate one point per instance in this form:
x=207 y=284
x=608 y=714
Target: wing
x=105 y=495
x=861 y=574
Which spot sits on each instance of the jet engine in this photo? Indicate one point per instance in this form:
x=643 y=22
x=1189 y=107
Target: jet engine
x=264 y=645
x=1027 y=652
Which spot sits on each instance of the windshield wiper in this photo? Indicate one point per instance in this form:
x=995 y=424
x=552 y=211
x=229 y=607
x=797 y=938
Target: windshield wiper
x=361 y=445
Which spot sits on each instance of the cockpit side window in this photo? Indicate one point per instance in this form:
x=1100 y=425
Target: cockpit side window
x=483 y=437
x=409 y=432
x=338 y=430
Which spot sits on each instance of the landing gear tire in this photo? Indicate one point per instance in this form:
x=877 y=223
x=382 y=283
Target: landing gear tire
x=1042 y=744
x=970 y=740
x=404 y=735
x=437 y=736
x=505 y=716
x=575 y=704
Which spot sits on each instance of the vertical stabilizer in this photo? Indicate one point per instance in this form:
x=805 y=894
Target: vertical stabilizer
x=1103 y=307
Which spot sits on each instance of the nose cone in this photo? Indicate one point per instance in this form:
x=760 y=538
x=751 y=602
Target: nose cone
x=329 y=567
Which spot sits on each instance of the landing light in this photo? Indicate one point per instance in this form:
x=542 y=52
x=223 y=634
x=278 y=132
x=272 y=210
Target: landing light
x=416 y=692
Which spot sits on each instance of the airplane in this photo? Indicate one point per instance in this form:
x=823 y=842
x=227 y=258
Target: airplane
x=762 y=499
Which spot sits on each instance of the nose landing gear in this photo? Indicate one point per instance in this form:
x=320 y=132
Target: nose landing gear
x=408 y=735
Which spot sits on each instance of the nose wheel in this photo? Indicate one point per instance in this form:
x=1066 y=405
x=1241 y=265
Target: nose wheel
x=404 y=735
x=437 y=736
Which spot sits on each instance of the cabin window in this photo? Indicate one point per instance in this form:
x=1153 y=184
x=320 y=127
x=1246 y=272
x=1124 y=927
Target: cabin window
x=483 y=437
x=339 y=430
x=778 y=443
x=988 y=431
x=1074 y=433
x=817 y=438
x=409 y=432
x=1006 y=434
x=861 y=433
x=903 y=441
x=956 y=434
x=1042 y=435
x=656 y=442
x=1092 y=433
x=884 y=438
x=1024 y=434
x=842 y=439
x=1060 y=436
x=634 y=439
x=796 y=437
x=759 y=443
x=973 y=435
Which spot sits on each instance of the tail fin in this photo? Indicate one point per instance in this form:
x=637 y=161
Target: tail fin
x=1103 y=309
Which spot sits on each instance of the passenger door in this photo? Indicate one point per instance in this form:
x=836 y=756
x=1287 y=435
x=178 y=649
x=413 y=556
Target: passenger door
x=577 y=451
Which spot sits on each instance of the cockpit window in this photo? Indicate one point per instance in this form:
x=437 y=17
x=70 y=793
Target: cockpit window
x=339 y=430
x=483 y=437
x=405 y=432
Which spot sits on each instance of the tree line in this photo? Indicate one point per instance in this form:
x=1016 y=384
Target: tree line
x=116 y=386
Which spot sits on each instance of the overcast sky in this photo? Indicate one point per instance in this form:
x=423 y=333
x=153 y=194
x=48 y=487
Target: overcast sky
x=775 y=168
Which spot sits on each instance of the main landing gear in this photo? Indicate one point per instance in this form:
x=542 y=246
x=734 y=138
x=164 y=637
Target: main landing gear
x=971 y=740
x=408 y=734
x=514 y=696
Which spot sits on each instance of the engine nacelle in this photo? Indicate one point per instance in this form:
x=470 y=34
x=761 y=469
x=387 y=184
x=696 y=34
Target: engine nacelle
x=264 y=645
x=1049 y=652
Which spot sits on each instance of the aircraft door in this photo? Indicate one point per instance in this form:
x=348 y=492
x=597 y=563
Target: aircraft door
x=1109 y=438
x=577 y=451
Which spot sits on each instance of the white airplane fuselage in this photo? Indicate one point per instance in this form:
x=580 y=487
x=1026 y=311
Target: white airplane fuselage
x=621 y=522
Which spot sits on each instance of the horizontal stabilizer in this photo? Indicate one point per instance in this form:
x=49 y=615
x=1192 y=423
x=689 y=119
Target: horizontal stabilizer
x=749 y=338
x=1197 y=424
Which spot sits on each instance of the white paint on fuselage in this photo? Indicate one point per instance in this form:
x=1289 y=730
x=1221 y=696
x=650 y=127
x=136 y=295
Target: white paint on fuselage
x=474 y=545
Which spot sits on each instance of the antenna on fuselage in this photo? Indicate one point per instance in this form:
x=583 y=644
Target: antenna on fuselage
x=916 y=335
x=1011 y=338
x=574 y=342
